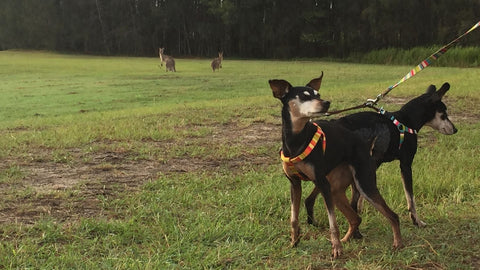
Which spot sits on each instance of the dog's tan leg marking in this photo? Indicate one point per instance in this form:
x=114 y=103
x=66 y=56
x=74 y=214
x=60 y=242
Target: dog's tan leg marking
x=411 y=208
x=354 y=220
x=334 y=232
x=309 y=171
x=295 y=197
x=340 y=178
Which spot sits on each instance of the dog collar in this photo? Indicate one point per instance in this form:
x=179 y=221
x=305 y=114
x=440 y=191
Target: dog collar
x=290 y=162
x=401 y=127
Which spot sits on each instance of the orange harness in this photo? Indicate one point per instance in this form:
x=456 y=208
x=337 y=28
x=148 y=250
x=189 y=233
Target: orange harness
x=290 y=162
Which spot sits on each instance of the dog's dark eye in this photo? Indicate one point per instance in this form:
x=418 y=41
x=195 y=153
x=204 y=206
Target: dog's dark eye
x=444 y=116
x=307 y=95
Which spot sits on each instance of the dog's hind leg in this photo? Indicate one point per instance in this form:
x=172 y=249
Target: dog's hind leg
x=340 y=175
x=340 y=179
x=355 y=202
x=309 y=204
x=365 y=180
x=406 y=170
x=353 y=219
x=295 y=198
x=379 y=203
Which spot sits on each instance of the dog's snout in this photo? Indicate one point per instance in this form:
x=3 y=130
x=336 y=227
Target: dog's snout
x=455 y=130
x=326 y=104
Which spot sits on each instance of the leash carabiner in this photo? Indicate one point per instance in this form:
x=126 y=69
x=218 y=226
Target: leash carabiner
x=371 y=102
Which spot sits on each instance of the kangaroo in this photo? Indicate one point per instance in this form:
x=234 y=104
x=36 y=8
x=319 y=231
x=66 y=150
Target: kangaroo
x=217 y=62
x=169 y=61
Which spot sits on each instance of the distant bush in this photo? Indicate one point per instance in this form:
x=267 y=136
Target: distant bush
x=454 y=57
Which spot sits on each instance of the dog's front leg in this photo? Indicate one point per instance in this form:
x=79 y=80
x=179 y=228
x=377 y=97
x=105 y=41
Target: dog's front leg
x=407 y=179
x=324 y=187
x=295 y=198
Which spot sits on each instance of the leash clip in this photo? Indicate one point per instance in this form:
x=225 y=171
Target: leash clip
x=370 y=102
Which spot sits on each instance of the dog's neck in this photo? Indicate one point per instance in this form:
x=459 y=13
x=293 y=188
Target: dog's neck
x=412 y=119
x=296 y=133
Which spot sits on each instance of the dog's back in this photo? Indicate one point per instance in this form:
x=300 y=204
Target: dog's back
x=346 y=146
x=375 y=130
x=427 y=109
x=350 y=148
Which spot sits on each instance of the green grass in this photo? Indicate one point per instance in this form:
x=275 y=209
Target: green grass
x=112 y=163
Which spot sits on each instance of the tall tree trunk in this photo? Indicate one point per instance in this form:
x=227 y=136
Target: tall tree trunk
x=102 y=26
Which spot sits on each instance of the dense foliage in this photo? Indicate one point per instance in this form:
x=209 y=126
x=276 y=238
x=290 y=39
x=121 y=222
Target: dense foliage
x=242 y=28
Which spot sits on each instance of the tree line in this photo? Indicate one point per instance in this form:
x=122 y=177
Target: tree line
x=240 y=28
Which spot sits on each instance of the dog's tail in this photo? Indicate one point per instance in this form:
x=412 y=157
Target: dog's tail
x=364 y=169
x=364 y=177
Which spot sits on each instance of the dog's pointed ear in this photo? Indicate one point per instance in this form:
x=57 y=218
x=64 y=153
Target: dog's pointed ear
x=431 y=89
x=438 y=95
x=279 y=88
x=316 y=83
x=441 y=92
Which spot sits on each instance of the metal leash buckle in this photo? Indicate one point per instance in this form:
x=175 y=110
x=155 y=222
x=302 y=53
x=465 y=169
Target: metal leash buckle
x=370 y=102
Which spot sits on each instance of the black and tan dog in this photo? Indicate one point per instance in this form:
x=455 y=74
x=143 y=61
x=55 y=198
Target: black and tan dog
x=395 y=137
x=329 y=155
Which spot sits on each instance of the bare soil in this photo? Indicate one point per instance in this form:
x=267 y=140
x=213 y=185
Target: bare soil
x=71 y=190
x=67 y=191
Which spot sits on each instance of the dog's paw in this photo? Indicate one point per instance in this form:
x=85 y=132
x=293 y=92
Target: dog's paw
x=397 y=245
x=294 y=244
x=420 y=224
x=313 y=222
x=417 y=222
x=295 y=237
x=336 y=247
x=357 y=234
x=336 y=251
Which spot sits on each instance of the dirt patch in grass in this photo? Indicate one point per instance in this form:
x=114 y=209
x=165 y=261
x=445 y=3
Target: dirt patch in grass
x=74 y=187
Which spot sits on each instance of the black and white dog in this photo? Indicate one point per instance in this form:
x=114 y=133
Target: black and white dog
x=394 y=136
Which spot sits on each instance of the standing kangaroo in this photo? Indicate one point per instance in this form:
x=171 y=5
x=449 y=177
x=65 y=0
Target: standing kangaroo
x=169 y=61
x=217 y=62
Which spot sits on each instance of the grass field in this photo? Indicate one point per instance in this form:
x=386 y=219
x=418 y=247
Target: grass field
x=112 y=163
